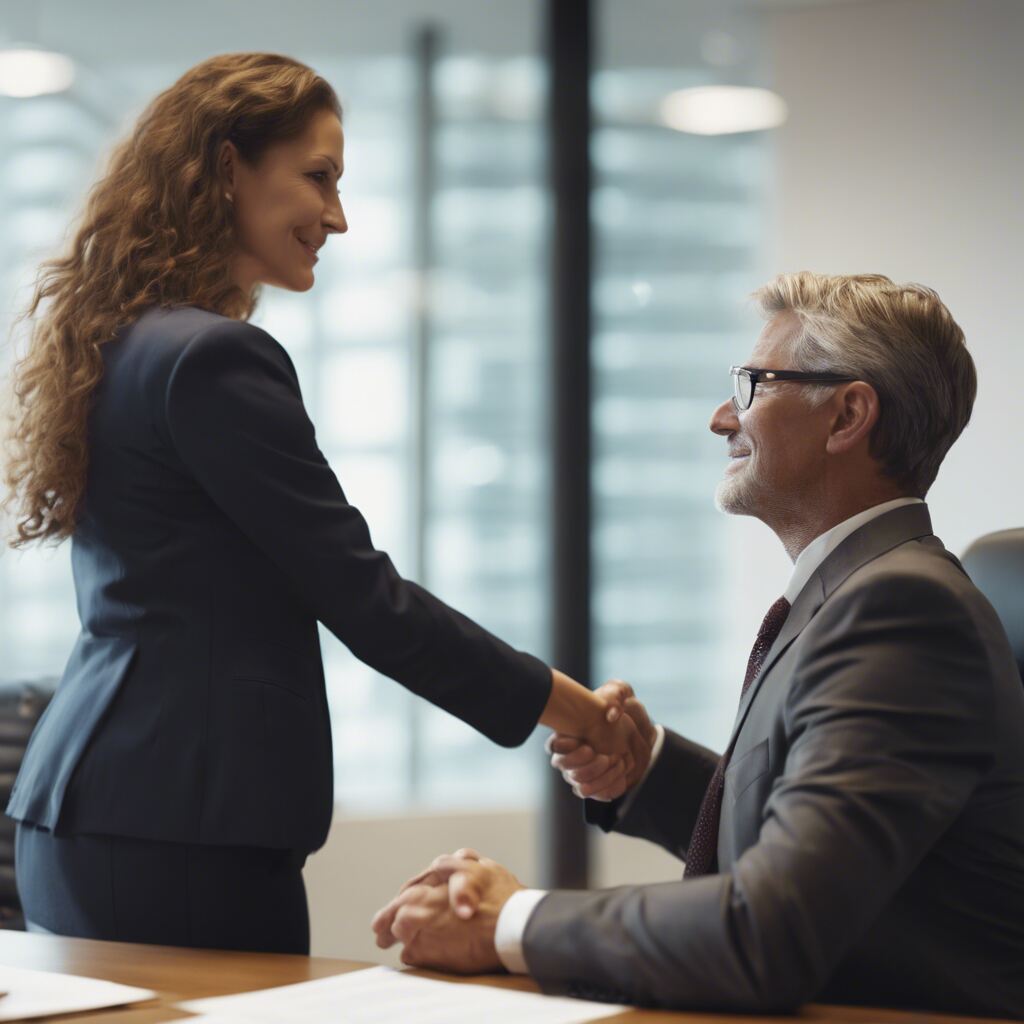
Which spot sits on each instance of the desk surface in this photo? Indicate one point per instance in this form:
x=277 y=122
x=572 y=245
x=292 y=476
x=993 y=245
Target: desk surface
x=177 y=974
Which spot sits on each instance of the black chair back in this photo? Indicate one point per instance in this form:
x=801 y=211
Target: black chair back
x=996 y=564
x=21 y=704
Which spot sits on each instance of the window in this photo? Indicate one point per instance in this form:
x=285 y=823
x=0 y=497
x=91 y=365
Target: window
x=678 y=223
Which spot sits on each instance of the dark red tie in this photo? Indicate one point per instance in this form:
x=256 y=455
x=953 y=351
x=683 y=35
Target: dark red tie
x=702 y=855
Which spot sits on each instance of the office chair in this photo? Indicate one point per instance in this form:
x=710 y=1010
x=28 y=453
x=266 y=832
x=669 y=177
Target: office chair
x=21 y=704
x=996 y=564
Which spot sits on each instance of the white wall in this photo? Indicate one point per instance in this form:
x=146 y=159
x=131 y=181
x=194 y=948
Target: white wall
x=366 y=859
x=902 y=155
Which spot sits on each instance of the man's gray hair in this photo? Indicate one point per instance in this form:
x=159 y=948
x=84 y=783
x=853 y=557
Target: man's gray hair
x=900 y=339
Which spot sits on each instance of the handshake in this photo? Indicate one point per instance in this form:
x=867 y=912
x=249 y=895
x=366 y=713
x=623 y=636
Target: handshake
x=602 y=740
x=446 y=917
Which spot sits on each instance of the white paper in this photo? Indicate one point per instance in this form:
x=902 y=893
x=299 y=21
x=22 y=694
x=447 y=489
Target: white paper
x=42 y=993
x=381 y=995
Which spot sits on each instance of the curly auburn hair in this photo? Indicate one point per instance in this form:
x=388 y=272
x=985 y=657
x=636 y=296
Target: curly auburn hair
x=156 y=230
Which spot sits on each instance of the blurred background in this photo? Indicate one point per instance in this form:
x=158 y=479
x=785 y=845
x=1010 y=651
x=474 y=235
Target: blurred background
x=890 y=139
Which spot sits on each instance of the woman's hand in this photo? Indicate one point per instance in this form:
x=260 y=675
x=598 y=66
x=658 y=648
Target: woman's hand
x=590 y=771
x=597 y=719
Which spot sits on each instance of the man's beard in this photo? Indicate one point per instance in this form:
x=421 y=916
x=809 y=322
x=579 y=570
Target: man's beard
x=736 y=493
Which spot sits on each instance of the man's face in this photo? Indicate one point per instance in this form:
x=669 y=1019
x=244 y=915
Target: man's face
x=776 y=467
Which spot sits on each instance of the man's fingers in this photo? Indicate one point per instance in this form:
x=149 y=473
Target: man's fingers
x=381 y=925
x=409 y=956
x=448 y=863
x=636 y=710
x=559 y=743
x=412 y=917
x=426 y=877
x=600 y=783
x=465 y=891
x=384 y=920
x=431 y=875
x=605 y=790
x=383 y=937
x=594 y=781
x=451 y=880
x=612 y=793
x=580 y=756
x=615 y=690
x=417 y=954
x=592 y=770
x=614 y=694
x=437 y=875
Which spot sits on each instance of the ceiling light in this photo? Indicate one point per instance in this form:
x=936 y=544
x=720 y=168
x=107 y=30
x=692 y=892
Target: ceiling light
x=25 y=73
x=723 y=109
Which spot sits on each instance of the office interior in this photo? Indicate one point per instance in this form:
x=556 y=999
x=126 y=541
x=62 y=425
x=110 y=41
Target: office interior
x=892 y=143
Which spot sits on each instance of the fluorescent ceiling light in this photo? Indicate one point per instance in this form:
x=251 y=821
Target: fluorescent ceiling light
x=723 y=109
x=25 y=73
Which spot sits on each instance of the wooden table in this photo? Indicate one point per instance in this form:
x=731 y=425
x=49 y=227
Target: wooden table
x=177 y=974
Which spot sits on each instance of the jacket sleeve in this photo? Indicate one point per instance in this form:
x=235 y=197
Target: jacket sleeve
x=664 y=809
x=887 y=719
x=237 y=422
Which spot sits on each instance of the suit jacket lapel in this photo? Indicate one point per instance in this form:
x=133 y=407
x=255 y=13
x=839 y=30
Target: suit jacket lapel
x=910 y=522
x=808 y=601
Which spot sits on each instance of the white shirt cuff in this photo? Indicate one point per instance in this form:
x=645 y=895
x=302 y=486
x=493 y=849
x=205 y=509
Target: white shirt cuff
x=512 y=921
x=659 y=742
x=515 y=915
x=627 y=800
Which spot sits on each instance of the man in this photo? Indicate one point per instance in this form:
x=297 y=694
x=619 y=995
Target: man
x=862 y=838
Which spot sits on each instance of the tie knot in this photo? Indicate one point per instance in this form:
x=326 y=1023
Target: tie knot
x=766 y=636
x=774 y=620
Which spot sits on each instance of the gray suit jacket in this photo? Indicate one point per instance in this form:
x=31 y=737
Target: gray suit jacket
x=872 y=838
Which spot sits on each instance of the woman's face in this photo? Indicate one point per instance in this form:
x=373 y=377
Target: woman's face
x=286 y=204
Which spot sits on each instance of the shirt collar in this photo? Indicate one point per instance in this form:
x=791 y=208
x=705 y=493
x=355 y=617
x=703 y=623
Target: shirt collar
x=821 y=547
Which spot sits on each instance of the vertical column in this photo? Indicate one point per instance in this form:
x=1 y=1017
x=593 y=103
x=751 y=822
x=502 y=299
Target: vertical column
x=425 y=49
x=564 y=853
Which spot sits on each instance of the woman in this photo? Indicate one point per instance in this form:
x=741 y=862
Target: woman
x=183 y=770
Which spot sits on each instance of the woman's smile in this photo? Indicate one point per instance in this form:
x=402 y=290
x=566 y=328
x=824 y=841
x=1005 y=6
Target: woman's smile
x=311 y=250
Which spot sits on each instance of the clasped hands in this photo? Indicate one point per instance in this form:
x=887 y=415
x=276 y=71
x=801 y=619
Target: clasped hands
x=446 y=916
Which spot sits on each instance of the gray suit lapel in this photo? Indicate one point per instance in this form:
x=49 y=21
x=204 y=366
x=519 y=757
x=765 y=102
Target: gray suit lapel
x=875 y=538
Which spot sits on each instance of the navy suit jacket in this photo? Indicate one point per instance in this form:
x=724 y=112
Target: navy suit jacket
x=212 y=537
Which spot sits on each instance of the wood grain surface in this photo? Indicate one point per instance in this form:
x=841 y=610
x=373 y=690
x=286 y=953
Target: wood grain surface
x=177 y=974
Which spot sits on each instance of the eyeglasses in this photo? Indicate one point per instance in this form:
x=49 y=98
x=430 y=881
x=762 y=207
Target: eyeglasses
x=746 y=378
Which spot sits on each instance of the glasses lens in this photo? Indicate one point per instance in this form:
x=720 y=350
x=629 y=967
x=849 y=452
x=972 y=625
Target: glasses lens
x=743 y=388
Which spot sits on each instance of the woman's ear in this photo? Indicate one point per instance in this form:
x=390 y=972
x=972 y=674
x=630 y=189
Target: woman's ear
x=227 y=164
x=855 y=417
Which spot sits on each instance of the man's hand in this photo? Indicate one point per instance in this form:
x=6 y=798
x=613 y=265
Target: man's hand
x=595 y=774
x=597 y=719
x=446 y=916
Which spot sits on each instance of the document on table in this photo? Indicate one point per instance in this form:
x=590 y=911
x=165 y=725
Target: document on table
x=43 y=993
x=382 y=995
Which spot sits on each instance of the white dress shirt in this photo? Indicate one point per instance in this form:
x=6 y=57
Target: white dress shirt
x=514 y=916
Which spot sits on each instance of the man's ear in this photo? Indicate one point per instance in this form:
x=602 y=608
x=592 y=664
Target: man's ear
x=856 y=412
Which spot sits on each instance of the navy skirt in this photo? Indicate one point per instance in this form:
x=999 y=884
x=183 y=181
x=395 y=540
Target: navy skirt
x=171 y=894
